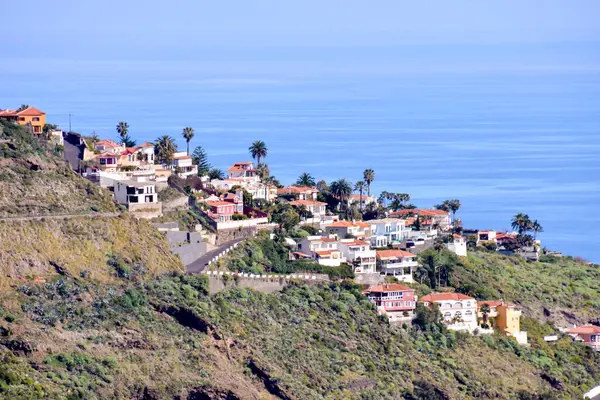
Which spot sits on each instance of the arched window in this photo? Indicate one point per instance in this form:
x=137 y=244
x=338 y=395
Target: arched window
x=448 y=305
x=458 y=305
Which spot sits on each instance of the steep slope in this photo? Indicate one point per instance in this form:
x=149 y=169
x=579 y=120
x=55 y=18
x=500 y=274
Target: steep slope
x=562 y=290
x=34 y=179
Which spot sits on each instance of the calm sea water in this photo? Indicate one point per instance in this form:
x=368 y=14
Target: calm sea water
x=502 y=142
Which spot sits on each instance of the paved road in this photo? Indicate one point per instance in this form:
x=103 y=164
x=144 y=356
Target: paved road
x=200 y=264
x=61 y=216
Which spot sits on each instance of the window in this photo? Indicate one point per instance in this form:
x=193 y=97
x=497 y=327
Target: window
x=447 y=305
x=21 y=118
x=593 y=338
x=458 y=305
x=447 y=315
x=36 y=119
x=36 y=129
x=468 y=312
x=458 y=315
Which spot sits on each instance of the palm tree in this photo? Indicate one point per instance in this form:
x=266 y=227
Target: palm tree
x=122 y=129
x=360 y=188
x=485 y=311
x=164 y=149
x=188 y=134
x=305 y=179
x=521 y=223
x=258 y=150
x=263 y=172
x=216 y=174
x=536 y=228
x=454 y=205
x=342 y=189
x=369 y=177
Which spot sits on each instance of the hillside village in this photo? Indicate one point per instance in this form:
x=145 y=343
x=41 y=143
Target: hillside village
x=385 y=242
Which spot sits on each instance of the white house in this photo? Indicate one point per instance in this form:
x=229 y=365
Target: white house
x=458 y=245
x=359 y=254
x=324 y=250
x=317 y=208
x=133 y=192
x=108 y=146
x=398 y=263
x=387 y=231
x=361 y=201
x=459 y=311
x=302 y=192
x=147 y=150
x=182 y=163
x=244 y=171
x=438 y=218
x=344 y=229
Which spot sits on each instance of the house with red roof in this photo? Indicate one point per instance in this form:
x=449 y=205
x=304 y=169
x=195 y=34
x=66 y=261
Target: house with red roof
x=301 y=192
x=588 y=334
x=316 y=208
x=439 y=218
x=182 y=164
x=108 y=146
x=243 y=170
x=503 y=316
x=459 y=311
x=361 y=201
x=30 y=117
x=323 y=249
x=349 y=229
x=396 y=301
x=398 y=263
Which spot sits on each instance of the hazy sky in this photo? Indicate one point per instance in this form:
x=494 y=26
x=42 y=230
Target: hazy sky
x=153 y=29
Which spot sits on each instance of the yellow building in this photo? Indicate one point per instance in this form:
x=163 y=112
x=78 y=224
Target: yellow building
x=29 y=117
x=506 y=317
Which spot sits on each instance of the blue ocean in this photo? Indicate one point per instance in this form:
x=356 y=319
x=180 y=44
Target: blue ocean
x=502 y=140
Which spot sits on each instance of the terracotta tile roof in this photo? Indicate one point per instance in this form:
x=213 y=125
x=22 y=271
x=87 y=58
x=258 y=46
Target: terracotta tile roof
x=31 y=112
x=217 y=203
x=390 y=287
x=357 y=197
x=235 y=168
x=323 y=239
x=182 y=158
x=587 y=329
x=435 y=297
x=325 y=253
x=307 y=203
x=145 y=145
x=106 y=155
x=297 y=190
x=420 y=211
x=8 y=113
x=300 y=254
x=494 y=303
x=456 y=236
x=129 y=150
x=355 y=243
x=243 y=163
x=384 y=254
x=107 y=143
x=348 y=224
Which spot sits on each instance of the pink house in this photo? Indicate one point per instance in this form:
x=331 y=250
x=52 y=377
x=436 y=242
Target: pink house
x=396 y=301
x=588 y=334
x=107 y=161
x=221 y=211
x=303 y=192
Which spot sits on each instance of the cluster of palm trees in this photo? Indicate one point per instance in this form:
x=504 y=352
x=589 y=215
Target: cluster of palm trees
x=523 y=225
x=449 y=206
x=436 y=265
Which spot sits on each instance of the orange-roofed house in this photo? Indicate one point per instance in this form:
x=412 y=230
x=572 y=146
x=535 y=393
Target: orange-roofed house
x=301 y=192
x=323 y=249
x=243 y=170
x=182 y=164
x=588 y=334
x=396 y=301
x=349 y=229
x=439 y=218
x=221 y=211
x=29 y=117
x=108 y=146
x=316 y=208
x=361 y=201
x=359 y=254
x=459 y=311
x=398 y=263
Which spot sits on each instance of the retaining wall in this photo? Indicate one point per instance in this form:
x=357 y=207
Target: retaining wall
x=219 y=280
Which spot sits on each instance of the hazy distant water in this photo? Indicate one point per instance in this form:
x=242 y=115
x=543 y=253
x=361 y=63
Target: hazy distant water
x=500 y=142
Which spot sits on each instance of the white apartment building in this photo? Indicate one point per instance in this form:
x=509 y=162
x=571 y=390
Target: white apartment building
x=359 y=254
x=459 y=311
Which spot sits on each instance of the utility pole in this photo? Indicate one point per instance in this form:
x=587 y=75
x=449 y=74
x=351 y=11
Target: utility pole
x=70 y=123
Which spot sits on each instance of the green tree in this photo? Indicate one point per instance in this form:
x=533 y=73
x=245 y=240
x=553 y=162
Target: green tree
x=368 y=177
x=263 y=172
x=23 y=107
x=360 y=188
x=258 y=149
x=399 y=200
x=305 y=179
x=216 y=173
x=188 y=134
x=200 y=158
x=536 y=228
x=429 y=260
x=164 y=149
x=342 y=189
x=122 y=129
x=485 y=311
x=521 y=223
x=127 y=141
x=322 y=186
x=49 y=127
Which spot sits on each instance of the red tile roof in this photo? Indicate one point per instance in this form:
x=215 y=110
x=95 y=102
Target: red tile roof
x=347 y=224
x=394 y=254
x=307 y=203
x=326 y=253
x=145 y=145
x=323 y=239
x=390 y=287
x=107 y=143
x=217 y=203
x=587 y=329
x=355 y=243
x=297 y=190
x=8 y=113
x=494 y=303
x=434 y=297
x=31 y=112
x=182 y=158
x=420 y=211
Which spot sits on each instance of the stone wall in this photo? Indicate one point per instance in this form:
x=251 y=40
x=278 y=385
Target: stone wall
x=266 y=284
x=227 y=235
x=369 y=279
x=181 y=202
x=145 y=210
